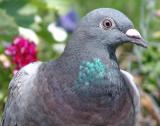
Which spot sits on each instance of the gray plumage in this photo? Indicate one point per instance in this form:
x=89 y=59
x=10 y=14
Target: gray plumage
x=85 y=86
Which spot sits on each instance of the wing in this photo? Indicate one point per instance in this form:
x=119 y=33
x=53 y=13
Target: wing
x=133 y=89
x=19 y=88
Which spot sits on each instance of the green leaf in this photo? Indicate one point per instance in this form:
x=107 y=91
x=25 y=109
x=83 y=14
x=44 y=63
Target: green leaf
x=8 y=27
x=16 y=8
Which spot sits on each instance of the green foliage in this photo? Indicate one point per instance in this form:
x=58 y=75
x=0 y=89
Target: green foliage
x=8 y=27
x=5 y=76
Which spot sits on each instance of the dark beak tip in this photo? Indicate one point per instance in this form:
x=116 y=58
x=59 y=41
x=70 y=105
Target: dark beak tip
x=140 y=42
x=145 y=44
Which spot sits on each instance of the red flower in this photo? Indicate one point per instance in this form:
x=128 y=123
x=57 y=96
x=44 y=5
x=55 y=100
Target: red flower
x=22 y=52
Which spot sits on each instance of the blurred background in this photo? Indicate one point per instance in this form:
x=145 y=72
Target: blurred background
x=32 y=30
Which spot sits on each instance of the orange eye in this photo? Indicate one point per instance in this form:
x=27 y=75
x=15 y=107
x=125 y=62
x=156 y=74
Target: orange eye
x=107 y=23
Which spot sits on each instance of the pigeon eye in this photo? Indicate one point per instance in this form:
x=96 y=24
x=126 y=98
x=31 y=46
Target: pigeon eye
x=107 y=24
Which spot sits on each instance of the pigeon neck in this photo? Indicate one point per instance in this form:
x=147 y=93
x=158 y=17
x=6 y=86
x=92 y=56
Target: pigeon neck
x=111 y=56
x=91 y=50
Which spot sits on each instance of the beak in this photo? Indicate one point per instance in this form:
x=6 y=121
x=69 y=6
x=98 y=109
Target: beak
x=134 y=37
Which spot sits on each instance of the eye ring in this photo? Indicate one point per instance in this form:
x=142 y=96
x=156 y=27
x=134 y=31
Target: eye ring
x=107 y=23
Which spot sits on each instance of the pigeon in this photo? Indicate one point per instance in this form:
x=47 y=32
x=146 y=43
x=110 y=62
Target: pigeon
x=85 y=85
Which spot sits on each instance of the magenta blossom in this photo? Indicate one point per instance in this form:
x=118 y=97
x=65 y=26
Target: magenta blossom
x=22 y=52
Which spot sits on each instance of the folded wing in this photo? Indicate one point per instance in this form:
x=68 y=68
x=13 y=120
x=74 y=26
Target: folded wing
x=19 y=90
x=133 y=89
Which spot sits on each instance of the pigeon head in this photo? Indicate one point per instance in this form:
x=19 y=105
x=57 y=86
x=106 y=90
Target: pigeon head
x=109 y=27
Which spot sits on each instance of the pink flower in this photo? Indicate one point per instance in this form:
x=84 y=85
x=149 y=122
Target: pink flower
x=158 y=13
x=22 y=52
x=5 y=61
